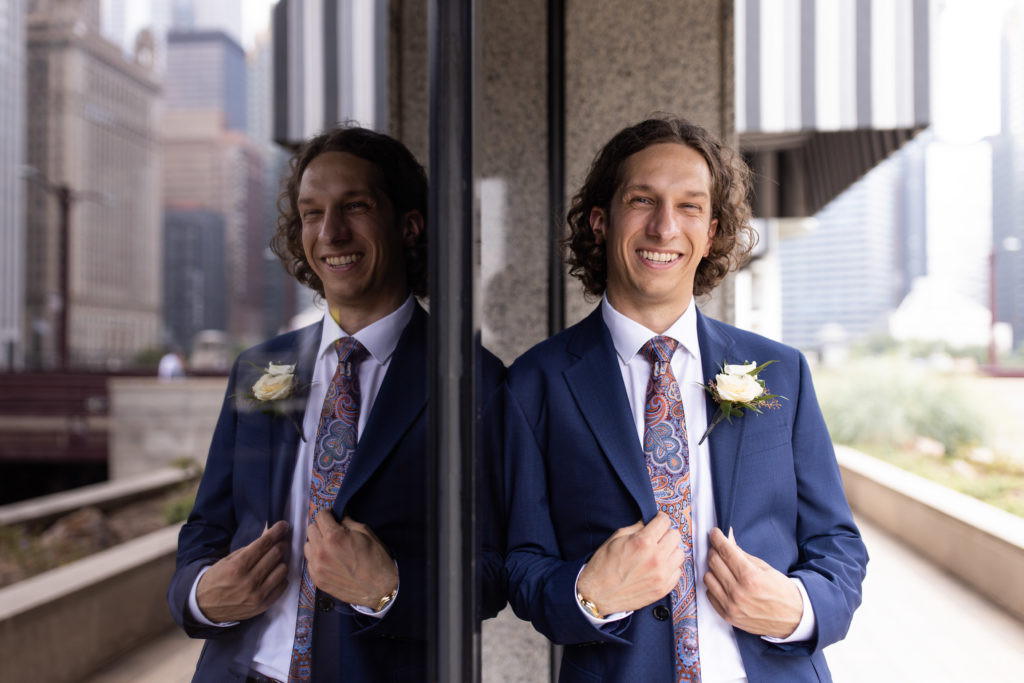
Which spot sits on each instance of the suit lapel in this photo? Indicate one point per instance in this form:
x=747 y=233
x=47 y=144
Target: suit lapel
x=715 y=347
x=595 y=383
x=284 y=432
x=402 y=397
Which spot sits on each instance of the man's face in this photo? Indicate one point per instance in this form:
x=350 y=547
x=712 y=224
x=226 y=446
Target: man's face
x=351 y=236
x=656 y=231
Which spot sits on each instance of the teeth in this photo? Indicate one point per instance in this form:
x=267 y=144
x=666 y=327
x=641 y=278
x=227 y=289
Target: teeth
x=342 y=260
x=658 y=256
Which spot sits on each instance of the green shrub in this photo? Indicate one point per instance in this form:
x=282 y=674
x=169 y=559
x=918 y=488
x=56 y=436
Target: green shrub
x=892 y=401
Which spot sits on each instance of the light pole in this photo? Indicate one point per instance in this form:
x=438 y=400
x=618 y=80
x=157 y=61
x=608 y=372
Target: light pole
x=66 y=197
x=1008 y=245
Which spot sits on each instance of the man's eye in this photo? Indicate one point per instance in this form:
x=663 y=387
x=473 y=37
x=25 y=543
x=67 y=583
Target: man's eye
x=357 y=206
x=641 y=201
x=311 y=214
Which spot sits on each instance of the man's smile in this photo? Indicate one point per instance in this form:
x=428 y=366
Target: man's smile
x=341 y=261
x=658 y=257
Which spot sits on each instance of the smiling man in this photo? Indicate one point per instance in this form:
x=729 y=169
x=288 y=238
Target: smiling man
x=656 y=554
x=305 y=556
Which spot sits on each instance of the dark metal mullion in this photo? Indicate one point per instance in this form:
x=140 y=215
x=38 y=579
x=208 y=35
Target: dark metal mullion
x=455 y=651
x=556 y=198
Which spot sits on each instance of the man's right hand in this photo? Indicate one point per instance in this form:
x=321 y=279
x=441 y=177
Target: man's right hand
x=636 y=566
x=246 y=582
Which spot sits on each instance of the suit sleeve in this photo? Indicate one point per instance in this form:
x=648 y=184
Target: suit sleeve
x=832 y=556
x=206 y=536
x=541 y=583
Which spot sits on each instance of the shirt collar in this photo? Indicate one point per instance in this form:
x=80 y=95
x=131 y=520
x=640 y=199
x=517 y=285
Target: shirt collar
x=629 y=336
x=379 y=337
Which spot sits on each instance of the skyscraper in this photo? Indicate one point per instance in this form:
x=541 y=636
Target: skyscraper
x=12 y=121
x=91 y=135
x=1008 y=179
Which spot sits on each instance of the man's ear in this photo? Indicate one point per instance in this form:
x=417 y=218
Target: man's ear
x=412 y=226
x=598 y=223
x=711 y=235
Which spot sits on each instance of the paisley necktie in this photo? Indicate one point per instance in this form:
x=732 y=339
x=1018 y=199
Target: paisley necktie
x=668 y=464
x=332 y=452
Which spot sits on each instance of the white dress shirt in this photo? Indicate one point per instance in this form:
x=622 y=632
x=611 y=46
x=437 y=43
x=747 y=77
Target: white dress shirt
x=274 y=646
x=720 y=660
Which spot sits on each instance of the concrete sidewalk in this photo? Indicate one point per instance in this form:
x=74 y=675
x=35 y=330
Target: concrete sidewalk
x=916 y=624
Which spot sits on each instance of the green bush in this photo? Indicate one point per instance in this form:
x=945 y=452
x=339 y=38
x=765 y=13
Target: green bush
x=892 y=401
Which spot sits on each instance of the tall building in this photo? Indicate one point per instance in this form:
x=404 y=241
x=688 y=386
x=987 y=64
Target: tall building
x=211 y=163
x=1008 y=179
x=841 y=279
x=91 y=133
x=12 y=157
x=194 y=291
x=206 y=70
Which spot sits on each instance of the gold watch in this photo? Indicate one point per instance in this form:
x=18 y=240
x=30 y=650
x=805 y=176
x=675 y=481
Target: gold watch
x=383 y=602
x=590 y=607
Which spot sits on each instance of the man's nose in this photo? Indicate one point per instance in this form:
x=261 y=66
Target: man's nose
x=664 y=222
x=334 y=227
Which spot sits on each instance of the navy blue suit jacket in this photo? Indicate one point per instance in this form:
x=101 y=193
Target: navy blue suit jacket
x=245 y=485
x=575 y=473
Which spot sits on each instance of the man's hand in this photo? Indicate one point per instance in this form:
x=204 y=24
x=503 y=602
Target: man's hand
x=348 y=561
x=748 y=593
x=245 y=583
x=637 y=565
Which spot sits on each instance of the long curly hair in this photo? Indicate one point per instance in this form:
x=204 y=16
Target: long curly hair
x=404 y=182
x=730 y=189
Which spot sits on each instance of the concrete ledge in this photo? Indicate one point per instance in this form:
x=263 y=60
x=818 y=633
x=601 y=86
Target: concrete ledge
x=102 y=495
x=68 y=622
x=979 y=544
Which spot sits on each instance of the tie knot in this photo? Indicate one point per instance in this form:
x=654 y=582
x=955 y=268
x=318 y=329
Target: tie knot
x=350 y=350
x=659 y=349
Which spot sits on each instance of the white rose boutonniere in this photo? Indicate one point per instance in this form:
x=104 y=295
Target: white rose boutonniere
x=272 y=393
x=737 y=388
x=277 y=382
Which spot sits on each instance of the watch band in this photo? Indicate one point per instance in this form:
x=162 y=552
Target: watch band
x=589 y=606
x=383 y=602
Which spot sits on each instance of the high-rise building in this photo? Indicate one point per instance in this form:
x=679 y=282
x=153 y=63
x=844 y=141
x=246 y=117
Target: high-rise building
x=210 y=162
x=92 y=261
x=1008 y=179
x=206 y=69
x=841 y=280
x=194 y=291
x=12 y=151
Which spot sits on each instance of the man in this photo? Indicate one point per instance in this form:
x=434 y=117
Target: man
x=305 y=555
x=651 y=553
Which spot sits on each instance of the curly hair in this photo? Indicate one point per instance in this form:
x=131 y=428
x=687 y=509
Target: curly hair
x=730 y=188
x=403 y=180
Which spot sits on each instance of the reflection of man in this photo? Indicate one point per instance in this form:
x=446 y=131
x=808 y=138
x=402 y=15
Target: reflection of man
x=305 y=555
x=615 y=541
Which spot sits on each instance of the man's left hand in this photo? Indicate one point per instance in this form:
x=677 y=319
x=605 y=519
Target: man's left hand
x=749 y=593
x=348 y=561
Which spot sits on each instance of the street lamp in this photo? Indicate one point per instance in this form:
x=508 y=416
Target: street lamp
x=66 y=197
x=1008 y=245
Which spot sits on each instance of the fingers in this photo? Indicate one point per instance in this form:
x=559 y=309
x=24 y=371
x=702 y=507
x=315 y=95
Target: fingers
x=251 y=554
x=628 y=530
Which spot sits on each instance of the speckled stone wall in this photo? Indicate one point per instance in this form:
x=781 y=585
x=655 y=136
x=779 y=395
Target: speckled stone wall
x=627 y=61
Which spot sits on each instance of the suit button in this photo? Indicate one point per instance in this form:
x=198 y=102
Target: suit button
x=324 y=603
x=661 y=612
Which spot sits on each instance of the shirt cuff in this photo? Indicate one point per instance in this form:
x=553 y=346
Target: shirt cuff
x=807 y=626
x=193 y=604
x=596 y=621
x=368 y=611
